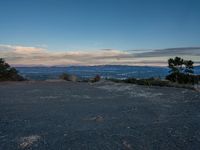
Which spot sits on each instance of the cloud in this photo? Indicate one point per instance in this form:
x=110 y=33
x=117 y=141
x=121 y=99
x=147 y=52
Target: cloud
x=21 y=49
x=33 y=56
x=21 y=55
x=191 y=51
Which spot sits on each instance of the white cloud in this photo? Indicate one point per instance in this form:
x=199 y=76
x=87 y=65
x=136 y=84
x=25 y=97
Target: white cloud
x=21 y=49
x=29 y=50
x=22 y=55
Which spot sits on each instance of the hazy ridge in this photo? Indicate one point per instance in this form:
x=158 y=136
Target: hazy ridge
x=106 y=71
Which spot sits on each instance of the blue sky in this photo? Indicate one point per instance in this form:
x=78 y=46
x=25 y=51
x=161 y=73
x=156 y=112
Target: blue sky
x=90 y=25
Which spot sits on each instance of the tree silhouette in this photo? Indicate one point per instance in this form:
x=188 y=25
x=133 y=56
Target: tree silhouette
x=175 y=64
x=8 y=73
x=181 y=70
x=189 y=68
x=178 y=65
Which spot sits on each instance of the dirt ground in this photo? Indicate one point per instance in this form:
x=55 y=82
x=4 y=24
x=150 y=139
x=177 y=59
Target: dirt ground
x=101 y=116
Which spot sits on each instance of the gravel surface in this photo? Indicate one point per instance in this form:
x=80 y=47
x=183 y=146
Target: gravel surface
x=101 y=116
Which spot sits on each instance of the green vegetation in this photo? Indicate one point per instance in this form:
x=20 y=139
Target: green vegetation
x=147 y=82
x=181 y=71
x=97 y=78
x=74 y=78
x=181 y=76
x=64 y=76
x=153 y=82
x=8 y=73
x=68 y=77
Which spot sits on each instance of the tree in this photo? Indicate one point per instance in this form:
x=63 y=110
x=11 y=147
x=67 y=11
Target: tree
x=178 y=65
x=189 y=68
x=8 y=73
x=181 y=70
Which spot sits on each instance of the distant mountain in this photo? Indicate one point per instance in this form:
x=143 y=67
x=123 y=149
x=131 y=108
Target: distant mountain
x=105 y=71
x=197 y=69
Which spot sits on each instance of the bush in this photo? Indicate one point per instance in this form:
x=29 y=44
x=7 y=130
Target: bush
x=64 y=76
x=131 y=80
x=148 y=82
x=152 y=82
x=68 y=77
x=182 y=78
x=114 y=80
x=97 y=78
x=8 y=73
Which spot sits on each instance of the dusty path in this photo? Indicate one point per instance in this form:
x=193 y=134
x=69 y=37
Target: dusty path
x=102 y=116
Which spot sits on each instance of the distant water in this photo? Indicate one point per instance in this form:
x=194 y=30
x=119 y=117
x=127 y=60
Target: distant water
x=120 y=72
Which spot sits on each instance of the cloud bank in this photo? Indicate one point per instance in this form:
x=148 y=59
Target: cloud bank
x=35 y=56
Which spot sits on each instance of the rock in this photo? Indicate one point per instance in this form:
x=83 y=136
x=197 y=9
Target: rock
x=126 y=145
x=27 y=142
x=197 y=87
x=96 y=119
x=99 y=119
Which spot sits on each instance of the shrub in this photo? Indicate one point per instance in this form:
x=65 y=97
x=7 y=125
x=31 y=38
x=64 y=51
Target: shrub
x=64 y=76
x=131 y=80
x=97 y=78
x=8 y=73
x=114 y=80
x=183 y=78
x=152 y=82
x=148 y=82
x=68 y=77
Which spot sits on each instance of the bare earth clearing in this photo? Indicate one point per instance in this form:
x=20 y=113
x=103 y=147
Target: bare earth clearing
x=100 y=116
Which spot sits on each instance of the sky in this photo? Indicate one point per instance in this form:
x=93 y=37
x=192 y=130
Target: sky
x=98 y=32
